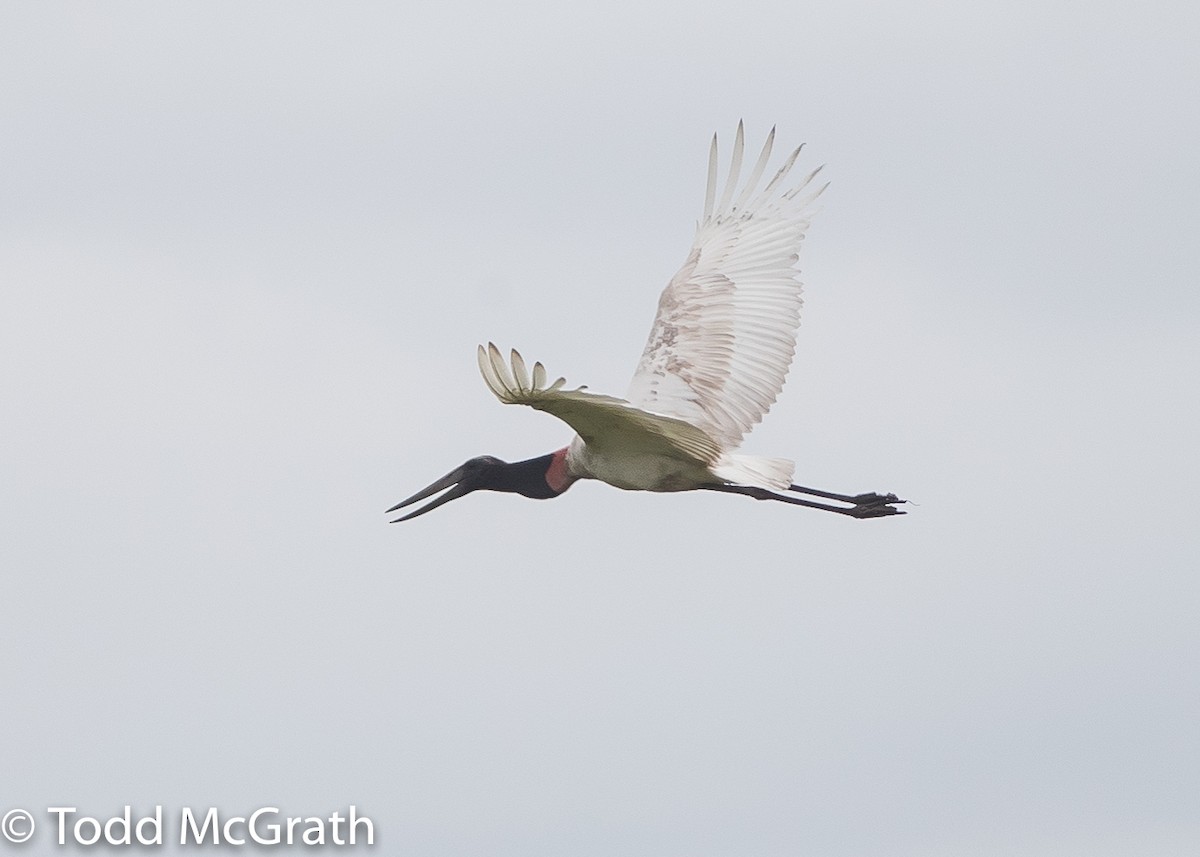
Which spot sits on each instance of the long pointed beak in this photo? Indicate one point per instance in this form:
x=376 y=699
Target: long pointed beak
x=450 y=479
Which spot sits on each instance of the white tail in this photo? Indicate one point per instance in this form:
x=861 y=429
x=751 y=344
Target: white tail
x=774 y=474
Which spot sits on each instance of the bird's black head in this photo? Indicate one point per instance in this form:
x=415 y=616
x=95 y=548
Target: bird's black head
x=489 y=474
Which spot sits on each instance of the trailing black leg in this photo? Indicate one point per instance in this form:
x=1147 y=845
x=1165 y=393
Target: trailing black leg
x=874 y=505
x=870 y=499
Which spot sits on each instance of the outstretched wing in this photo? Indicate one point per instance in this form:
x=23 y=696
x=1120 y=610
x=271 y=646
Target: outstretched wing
x=599 y=420
x=725 y=332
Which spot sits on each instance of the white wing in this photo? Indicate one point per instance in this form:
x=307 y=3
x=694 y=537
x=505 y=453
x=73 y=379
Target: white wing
x=725 y=332
x=594 y=417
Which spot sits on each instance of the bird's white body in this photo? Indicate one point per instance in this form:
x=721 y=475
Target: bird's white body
x=716 y=358
x=624 y=465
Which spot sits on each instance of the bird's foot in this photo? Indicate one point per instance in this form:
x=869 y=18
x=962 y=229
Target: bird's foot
x=875 y=505
x=874 y=499
x=878 y=510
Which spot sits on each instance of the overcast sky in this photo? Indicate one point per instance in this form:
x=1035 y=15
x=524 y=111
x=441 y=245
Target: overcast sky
x=247 y=251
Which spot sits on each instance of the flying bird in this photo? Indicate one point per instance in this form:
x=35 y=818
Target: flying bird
x=715 y=362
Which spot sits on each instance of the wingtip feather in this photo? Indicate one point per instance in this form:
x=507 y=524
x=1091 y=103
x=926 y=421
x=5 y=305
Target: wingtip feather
x=488 y=370
x=735 y=169
x=500 y=371
x=520 y=373
x=710 y=190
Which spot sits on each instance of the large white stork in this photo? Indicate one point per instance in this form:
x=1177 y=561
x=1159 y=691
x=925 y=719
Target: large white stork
x=715 y=362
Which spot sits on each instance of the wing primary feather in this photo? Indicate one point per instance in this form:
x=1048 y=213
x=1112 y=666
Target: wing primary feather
x=498 y=367
x=761 y=165
x=779 y=176
x=539 y=376
x=735 y=169
x=484 y=367
x=808 y=199
x=710 y=192
x=520 y=373
x=487 y=368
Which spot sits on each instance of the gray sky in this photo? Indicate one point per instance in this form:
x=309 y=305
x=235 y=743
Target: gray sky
x=247 y=251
